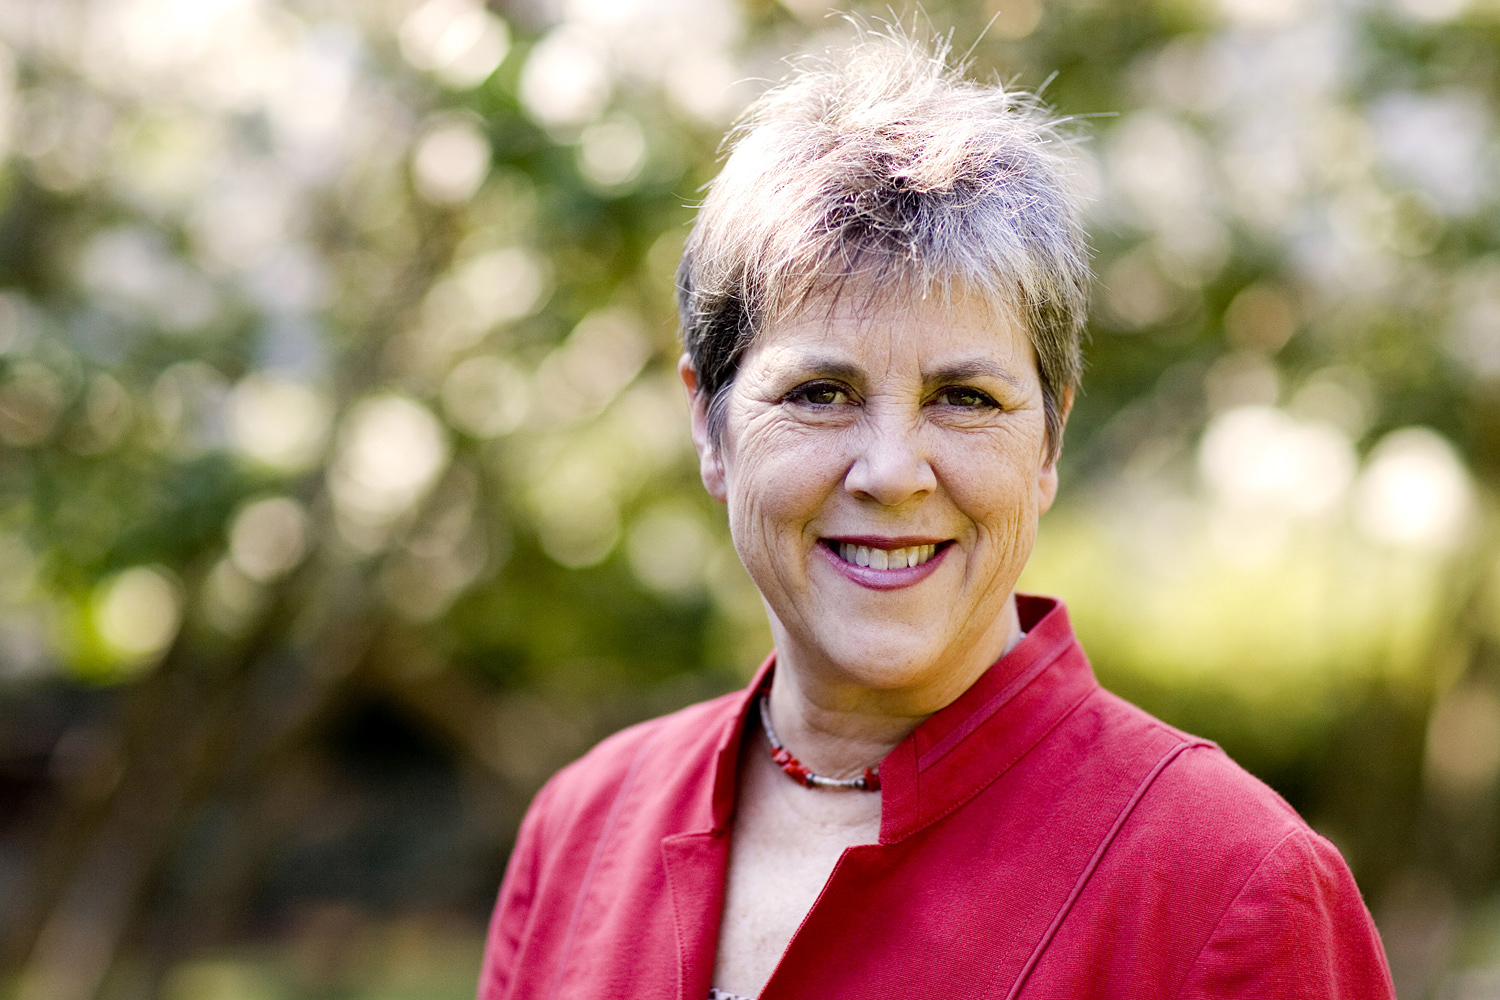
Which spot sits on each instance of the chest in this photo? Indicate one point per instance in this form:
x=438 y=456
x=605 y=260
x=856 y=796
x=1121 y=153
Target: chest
x=786 y=843
x=633 y=899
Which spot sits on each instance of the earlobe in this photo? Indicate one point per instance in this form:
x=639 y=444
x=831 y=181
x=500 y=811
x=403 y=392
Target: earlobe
x=1046 y=486
x=710 y=468
x=711 y=471
x=1047 y=478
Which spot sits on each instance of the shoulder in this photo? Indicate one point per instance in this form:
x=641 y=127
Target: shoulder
x=1199 y=794
x=1297 y=927
x=1220 y=876
x=668 y=755
x=689 y=731
x=1209 y=831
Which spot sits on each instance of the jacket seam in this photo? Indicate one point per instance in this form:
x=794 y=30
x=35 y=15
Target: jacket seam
x=1087 y=875
x=999 y=770
x=990 y=709
x=1229 y=907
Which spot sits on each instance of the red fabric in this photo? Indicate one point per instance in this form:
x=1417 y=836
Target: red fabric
x=1040 y=838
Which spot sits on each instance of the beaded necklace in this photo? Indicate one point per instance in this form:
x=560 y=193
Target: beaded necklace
x=798 y=772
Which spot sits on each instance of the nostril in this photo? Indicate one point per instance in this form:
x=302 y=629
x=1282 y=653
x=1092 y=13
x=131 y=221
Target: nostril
x=891 y=469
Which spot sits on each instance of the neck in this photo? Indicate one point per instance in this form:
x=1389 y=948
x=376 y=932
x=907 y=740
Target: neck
x=838 y=727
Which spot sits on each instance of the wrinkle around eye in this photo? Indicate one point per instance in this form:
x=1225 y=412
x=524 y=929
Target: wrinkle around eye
x=981 y=400
x=807 y=394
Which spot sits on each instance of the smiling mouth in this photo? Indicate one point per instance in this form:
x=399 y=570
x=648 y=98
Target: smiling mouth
x=877 y=558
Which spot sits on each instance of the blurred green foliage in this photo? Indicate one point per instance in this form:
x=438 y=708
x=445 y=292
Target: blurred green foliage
x=345 y=489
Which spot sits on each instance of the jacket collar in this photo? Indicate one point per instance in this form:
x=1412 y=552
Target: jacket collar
x=959 y=750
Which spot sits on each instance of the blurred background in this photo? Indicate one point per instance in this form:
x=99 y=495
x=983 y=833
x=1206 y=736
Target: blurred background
x=345 y=489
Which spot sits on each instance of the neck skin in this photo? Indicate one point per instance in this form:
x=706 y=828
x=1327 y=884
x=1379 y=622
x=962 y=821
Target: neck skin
x=837 y=728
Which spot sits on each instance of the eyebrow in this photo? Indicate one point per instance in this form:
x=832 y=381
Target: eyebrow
x=976 y=368
x=962 y=371
x=831 y=368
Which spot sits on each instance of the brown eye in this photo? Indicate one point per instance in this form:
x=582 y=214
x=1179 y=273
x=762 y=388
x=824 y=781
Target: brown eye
x=964 y=397
x=819 y=394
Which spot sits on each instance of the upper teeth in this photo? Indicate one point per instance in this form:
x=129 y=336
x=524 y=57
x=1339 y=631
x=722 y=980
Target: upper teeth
x=864 y=555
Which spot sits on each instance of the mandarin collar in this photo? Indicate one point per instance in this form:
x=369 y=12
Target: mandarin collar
x=963 y=747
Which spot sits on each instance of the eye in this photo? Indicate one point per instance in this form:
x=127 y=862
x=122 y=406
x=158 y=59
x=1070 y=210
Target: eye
x=821 y=393
x=964 y=397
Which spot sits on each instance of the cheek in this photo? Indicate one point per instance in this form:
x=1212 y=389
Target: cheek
x=772 y=457
x=778 y=479
x=768 y=518
x=994 y=484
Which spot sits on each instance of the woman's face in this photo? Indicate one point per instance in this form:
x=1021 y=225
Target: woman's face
x=884 y=467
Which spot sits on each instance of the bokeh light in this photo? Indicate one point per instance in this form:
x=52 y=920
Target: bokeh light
x=346 y=489
x=268 y=538
x=450 y=162
x=486 y=396
x=390 y=451
x=138 y=612
x=1415 y=491
x=459 y=41
x=278 y=422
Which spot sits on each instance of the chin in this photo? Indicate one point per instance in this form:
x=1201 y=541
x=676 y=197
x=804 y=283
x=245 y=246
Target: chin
x=883 y=662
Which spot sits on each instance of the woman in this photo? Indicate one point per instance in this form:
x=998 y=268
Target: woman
x=923 y=792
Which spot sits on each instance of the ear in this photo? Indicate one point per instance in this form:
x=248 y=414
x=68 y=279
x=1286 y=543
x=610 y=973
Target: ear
x=1047 y=477
x=710 y=467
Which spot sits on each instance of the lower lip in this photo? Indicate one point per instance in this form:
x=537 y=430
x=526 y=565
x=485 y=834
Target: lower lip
x=885 y=579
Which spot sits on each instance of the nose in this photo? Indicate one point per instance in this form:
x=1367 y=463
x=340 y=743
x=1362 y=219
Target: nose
x=891 y=468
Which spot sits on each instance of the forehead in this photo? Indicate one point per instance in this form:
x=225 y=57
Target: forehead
x=878 y=326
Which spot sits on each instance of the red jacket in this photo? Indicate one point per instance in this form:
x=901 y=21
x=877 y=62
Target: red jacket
x=1040 y=838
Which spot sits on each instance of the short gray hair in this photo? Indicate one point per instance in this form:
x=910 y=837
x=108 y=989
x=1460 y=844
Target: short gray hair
x=883 y=162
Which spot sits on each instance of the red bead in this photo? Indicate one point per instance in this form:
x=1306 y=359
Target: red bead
x=872 y=780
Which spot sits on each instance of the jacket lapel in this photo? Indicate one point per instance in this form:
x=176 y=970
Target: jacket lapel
x=696 y=864
x=697 y=861
x=995 y=813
